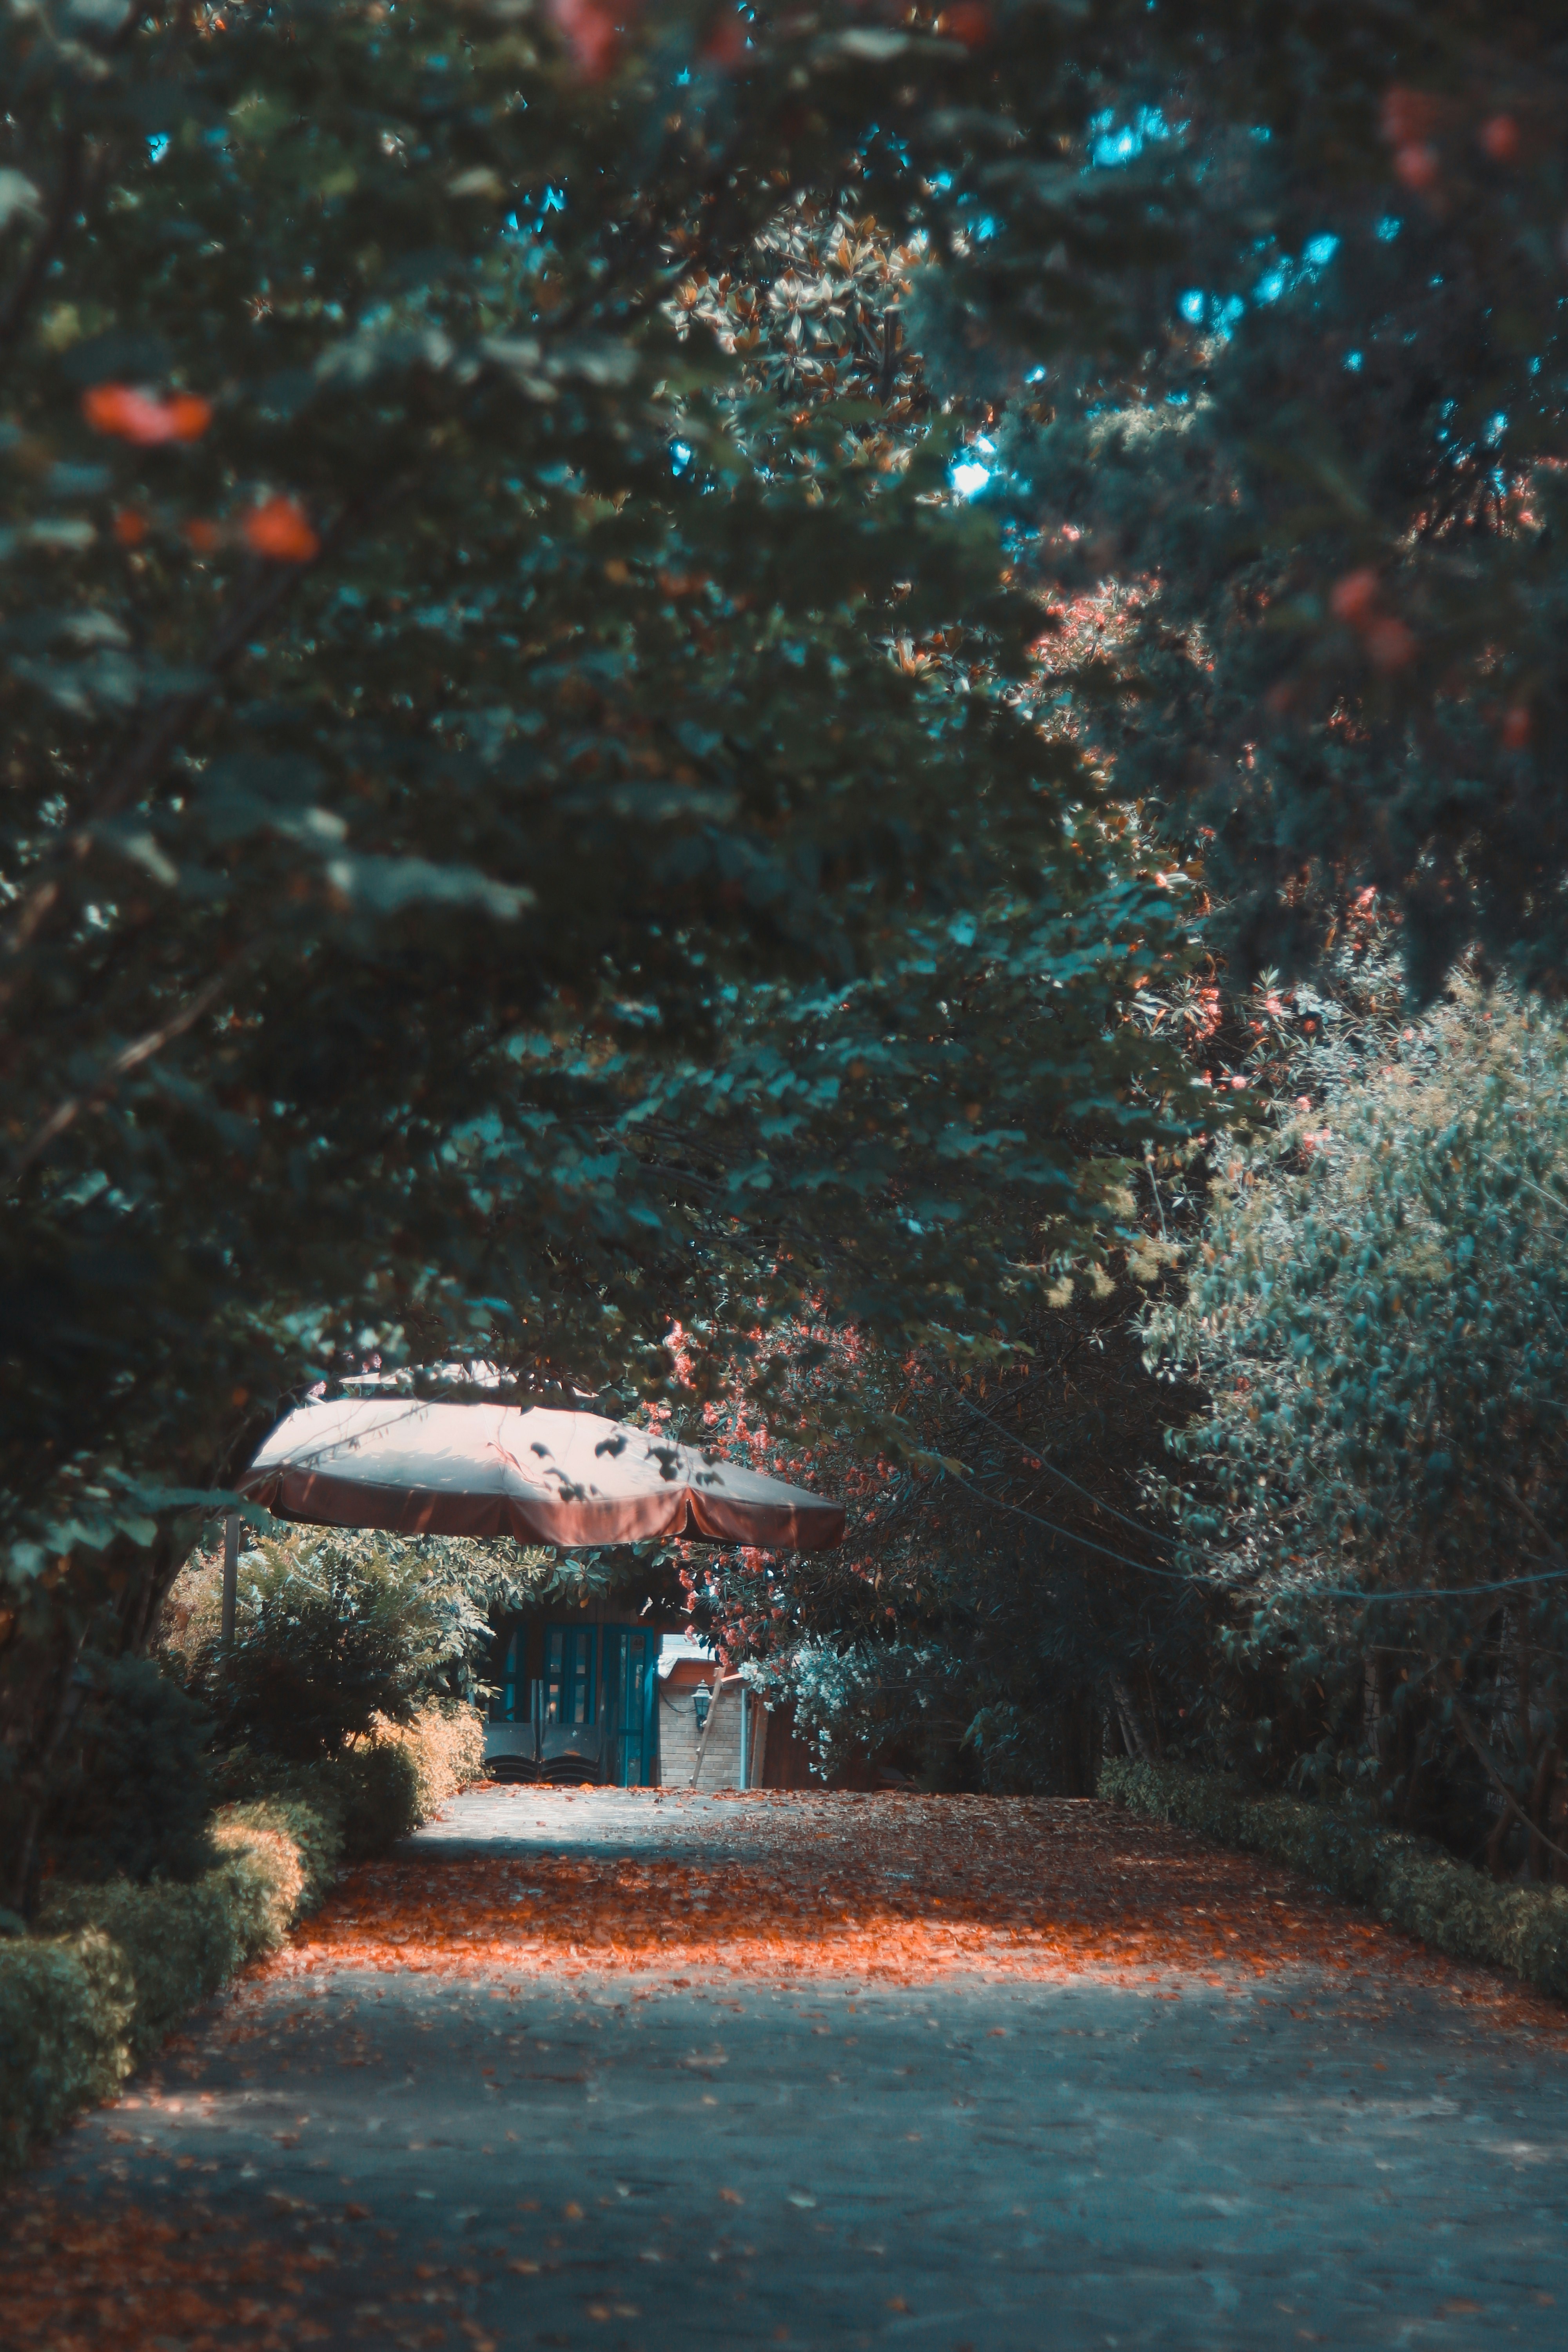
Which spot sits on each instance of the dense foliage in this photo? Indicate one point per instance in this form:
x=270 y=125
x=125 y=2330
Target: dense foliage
x=131 y=1787
x=627 y=645
x=1001 y=1604
x=330 y=1634
x=1306 y=531
x=1379 y=1320
x=335 y=1631
x=510 y=826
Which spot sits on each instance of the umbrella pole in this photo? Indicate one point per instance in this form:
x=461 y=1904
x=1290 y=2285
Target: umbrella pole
x=230 y=1576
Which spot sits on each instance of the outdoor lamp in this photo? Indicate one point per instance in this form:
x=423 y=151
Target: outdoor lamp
x=702 y=1699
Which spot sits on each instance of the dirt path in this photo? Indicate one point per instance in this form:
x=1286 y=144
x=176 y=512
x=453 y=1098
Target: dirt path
x=643 y=2071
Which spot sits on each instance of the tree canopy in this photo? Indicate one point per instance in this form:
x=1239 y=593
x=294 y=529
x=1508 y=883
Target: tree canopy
x=511 y=825
x=1306 y=482
x=634 y=641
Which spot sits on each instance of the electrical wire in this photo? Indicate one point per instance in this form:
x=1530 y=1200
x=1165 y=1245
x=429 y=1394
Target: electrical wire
x=1312 y=1592
x=1175 y=1575
x=1028 y=1450
x=1437 y=1592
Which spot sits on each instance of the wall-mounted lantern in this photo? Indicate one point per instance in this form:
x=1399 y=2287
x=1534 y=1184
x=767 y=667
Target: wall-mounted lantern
x=701 y=1700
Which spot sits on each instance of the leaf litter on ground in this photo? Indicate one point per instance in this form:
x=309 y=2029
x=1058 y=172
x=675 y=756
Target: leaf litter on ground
x=896 y=1889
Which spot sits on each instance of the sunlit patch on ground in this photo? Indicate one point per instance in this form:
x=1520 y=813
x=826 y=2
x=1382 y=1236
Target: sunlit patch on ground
x=897 y=1887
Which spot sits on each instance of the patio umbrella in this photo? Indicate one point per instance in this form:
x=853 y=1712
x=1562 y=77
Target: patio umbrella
x=568 y=1478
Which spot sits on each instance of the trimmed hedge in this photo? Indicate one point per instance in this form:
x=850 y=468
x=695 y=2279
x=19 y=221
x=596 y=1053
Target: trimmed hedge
x=110 y=1971
x=1408 y=1882
x=377 y=1788
x=360 y=1802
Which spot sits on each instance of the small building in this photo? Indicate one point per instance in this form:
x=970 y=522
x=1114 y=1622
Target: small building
x=587 y=1697
x=576 y=1698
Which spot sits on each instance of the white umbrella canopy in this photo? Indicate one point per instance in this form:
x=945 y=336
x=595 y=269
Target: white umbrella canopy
x=573 y=1479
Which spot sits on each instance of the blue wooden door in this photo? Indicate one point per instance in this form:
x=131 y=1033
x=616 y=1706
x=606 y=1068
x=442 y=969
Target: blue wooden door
x=631 y=1686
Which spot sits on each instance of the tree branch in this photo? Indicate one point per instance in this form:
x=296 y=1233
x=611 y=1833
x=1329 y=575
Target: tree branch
x=1132 y=1720
x=1553 y=1549
x=1494 y=1775
x=129 y=1058
x=121 y=782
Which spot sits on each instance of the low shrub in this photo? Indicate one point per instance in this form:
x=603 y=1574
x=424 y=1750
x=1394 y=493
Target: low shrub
x=132 y=1790
x=379 y=1787
x=65 y=2007
x=110 y=1969
x=445 y=1744
x=361 y=1802
x=312 y=1832
x=1408 y=1882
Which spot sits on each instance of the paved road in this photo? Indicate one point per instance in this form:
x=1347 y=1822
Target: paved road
x=970 y=2159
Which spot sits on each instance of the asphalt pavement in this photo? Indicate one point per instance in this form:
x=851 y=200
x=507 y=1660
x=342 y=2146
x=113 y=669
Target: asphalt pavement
x=634 y=2158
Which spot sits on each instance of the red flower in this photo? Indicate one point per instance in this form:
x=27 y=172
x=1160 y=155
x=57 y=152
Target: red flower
x=589 y=31
x=1417 y=166
x=1389 y=643
x=279 y=529
x=1352 y=598
x=968 y=21
x=725 y=46
x=1499 y=138
x=141 y=417
x=1408 y=117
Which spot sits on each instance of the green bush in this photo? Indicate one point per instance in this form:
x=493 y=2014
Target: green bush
x=1408 y=1882
x=378 y=1787
x=133 y=1793
x=331 y=1633
x=367 y=1798
x=111 y=1968
x=313 y=1830
x=65 y=2007
x=1379 y=1316
x=443 y=1746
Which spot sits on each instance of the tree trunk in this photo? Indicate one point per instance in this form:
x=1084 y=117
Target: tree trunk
x=54 y=1709
x=1557 y=1808
x=1540 y=1806
x=1136 y=1737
